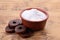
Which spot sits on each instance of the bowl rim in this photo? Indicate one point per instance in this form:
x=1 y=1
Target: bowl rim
x=37 y=9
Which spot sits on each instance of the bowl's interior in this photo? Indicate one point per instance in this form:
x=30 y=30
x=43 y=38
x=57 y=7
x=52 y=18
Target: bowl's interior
x=34 y=15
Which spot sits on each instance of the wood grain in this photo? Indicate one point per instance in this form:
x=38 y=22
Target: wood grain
x=10 y=9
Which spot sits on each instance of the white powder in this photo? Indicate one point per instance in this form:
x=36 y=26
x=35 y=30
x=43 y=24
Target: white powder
x=33 y=15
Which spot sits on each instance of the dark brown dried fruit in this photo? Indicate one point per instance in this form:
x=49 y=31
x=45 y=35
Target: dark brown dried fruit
x=9 y=30
x=20 y=29
x=14 y=23
x=27 y=33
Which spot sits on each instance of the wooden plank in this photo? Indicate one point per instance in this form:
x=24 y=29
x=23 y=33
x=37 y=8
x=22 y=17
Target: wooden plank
x=10 y=9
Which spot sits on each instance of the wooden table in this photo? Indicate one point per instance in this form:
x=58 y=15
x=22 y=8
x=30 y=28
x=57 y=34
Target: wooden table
x=10 y=9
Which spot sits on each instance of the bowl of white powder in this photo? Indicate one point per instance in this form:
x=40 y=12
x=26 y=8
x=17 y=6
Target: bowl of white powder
x=34 y=18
